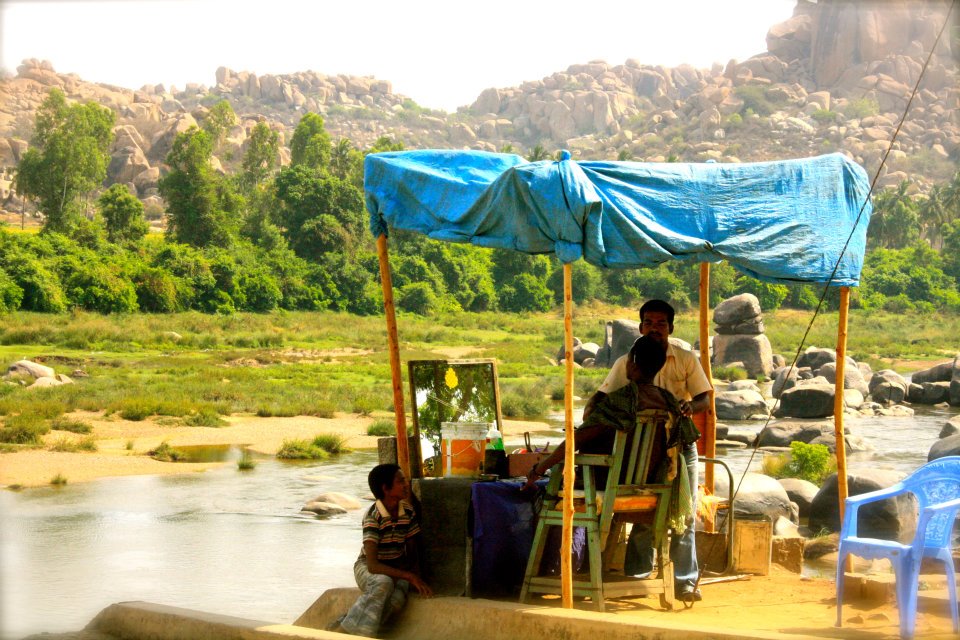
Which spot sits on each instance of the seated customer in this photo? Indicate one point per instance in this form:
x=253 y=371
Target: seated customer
x=618 y=411
x=388 y=563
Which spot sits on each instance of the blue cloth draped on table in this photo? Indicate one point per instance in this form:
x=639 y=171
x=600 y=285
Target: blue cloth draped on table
x=504 y=521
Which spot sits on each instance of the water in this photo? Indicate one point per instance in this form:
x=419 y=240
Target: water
x=223 y=541
x=235 y=543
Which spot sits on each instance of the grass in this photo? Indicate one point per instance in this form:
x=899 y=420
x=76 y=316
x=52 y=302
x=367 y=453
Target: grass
x=728 y=373
x=73 y=446
x=382 y=428
x=284 y=364
x=320 y=448
x=246 y=461
x=70 y=424
x=58 y=480
x=166 y=453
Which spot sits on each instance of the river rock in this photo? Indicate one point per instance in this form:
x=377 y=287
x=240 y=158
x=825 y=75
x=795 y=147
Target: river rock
x=889 y=519
x=562 y=353
x=951 y=428
x=949 y=446
x=781 y=434
x=851 y=443
x=739 y=405
x=42 y=383
x=619 y=337
x=786 y=378
x=915 y=393
x=852 y=378
x=800 y=492
x=888 y=386
x=937 y=373
x=753 y=351
x=342 y=499
x=758 y=495
x=807 y=401
x=28 y=369
x=742 y=436
x=955 y=382
x=323 y=508
x=935 y=392
x=740 y=308
x=584 y=352
x=816 y=357
x=852 y=398
x=751 y=327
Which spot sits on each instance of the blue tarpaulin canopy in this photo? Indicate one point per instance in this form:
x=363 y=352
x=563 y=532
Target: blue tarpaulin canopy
x=784 y=221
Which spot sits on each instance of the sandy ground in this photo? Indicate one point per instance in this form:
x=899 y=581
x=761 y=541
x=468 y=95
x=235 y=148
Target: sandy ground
x=36 y=467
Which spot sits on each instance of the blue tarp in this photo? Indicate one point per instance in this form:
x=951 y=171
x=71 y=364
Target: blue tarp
x=784 y=221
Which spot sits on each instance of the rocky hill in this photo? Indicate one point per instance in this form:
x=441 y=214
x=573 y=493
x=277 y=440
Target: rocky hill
x=836 y=76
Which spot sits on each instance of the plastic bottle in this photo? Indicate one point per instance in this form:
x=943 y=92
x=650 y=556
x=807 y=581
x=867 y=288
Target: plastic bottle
x=494 y=439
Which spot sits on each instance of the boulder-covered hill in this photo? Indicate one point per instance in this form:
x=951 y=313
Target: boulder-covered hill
x=836 y=76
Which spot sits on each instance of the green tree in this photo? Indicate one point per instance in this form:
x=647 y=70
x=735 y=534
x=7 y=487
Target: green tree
x=202 y=208
x=525 y=292
x=122 y=214
x=68 y=158
x=895 y=223
x=538 y=153
x=218 y=121
x=310 y=144
x=260 y=157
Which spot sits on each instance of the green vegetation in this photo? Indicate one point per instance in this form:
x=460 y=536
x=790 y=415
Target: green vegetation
x=72 y=446
x=69 y=424
x=810 y=462
x=24 y=428
x=166 y=453
x=246 y=461
x=320 y=448
x=382 y=428
x=58 y=480
x=729 y=374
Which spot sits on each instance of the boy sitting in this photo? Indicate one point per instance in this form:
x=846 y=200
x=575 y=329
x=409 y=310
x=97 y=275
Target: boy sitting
x=388 y=562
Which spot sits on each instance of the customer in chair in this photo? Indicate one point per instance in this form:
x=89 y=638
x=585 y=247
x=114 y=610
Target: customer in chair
x=618 y=411
x=682 y=376
x=388 y=565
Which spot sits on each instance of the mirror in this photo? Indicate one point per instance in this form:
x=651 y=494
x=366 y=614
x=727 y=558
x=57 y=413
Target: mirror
x=453 y=391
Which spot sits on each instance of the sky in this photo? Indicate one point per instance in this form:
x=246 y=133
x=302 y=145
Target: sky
x=440 y=53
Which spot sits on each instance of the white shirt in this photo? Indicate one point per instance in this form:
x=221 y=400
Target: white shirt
x=681 y=375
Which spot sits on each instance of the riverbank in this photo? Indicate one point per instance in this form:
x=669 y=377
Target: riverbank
x=122 y=445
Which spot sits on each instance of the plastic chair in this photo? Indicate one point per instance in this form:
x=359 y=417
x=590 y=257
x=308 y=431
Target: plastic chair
x=936 y=486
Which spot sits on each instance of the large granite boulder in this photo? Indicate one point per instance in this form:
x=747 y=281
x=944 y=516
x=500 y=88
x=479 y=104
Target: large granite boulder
x=852 y=377
x=29 y=369
x=816 y=357
x=758 y=495
x=754 y=351
x=937 y=373
x=949 y=446
x=740 y=308
x=806 y=401
x=888 y=386
x=781 y=434
x=739 y=405
x=800 y=492
x=955 y=382
x=619 y=337
x=891 y=519
x=951 y=428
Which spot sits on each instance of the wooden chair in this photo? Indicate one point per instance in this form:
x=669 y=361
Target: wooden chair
x=604 y=515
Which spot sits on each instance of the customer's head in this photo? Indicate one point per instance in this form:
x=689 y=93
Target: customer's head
x=646 y=359
x=381 y=479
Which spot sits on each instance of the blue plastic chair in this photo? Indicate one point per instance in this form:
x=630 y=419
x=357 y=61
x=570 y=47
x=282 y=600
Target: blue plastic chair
x=936 y=486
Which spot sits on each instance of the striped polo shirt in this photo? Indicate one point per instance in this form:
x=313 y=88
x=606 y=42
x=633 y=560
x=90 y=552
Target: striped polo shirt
x=390 y=534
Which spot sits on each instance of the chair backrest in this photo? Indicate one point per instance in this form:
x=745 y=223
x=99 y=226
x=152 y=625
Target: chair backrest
x=933 y=483
x=639 y=456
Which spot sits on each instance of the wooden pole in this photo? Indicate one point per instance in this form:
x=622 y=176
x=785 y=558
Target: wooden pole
x=566 y=542
x=838 y=404
x=393 y=345
x=710 y=419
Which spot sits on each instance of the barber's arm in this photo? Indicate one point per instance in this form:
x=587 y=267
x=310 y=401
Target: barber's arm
x=582 y=435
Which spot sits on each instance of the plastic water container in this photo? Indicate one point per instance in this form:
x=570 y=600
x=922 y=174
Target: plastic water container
x=461 y=448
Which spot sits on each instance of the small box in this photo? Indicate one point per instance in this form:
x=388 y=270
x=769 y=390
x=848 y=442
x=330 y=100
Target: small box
x=519 y=464
x=752 y=544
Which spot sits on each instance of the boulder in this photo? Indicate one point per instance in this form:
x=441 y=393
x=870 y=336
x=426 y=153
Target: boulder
x=562 y=353
x=816 y=357
x=935 y=392
x=781 y=434
x=889 y=519
x=852 y=377
x=585 y=351
x=807 y=401
x=949 y=446
x=28 y=369
x=951 y=428
x=744 y=436
x=753 y=351
x=758 y=495
x=852 y=443
x=743 y=385
x=800 y=492
x=955 y=382
x=742 y=308
x=785 y=378
x=915 y=393
x=888 y=386
x=749 y=327
x=348 y=502
x=323 y=508
x=739 y=405
x=41 y=383
x=937 y=373
x=619 y=337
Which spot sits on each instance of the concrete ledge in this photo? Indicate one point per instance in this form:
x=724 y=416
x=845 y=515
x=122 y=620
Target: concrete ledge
x=148 y=621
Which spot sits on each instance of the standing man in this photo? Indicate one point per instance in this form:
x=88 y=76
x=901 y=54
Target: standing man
x=682 y=376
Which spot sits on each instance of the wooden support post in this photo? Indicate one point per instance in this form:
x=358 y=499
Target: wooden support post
x=710 y=420
x=566 y=543
x=393 y=345
x=838 y=405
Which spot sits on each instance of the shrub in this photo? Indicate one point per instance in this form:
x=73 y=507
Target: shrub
x=156 y=291
x=69 y=424
x=861 y=108
x=301 y=450
x=810 y=462
x=11 y=295
x=204 y=417
x=524 y=405
x=72 y=446
x=824 y=116
x=166 y=453
x=41 y=287
x=25 y=428
x=58 y=480
x=330 y=442
x=729 y=373
x=382 y=428
x=246 y=461
x=100 y=288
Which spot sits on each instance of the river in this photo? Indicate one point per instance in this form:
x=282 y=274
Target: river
x=235 y=543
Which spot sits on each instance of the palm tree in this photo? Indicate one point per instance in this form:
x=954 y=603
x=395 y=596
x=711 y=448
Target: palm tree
x=538 y=153
x=933 y=215
x=340 y=158
x=895 y=223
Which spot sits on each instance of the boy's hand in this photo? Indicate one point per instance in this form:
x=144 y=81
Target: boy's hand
x=422 y=587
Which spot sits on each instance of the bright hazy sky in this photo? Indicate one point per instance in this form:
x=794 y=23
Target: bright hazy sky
x=441 y=53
